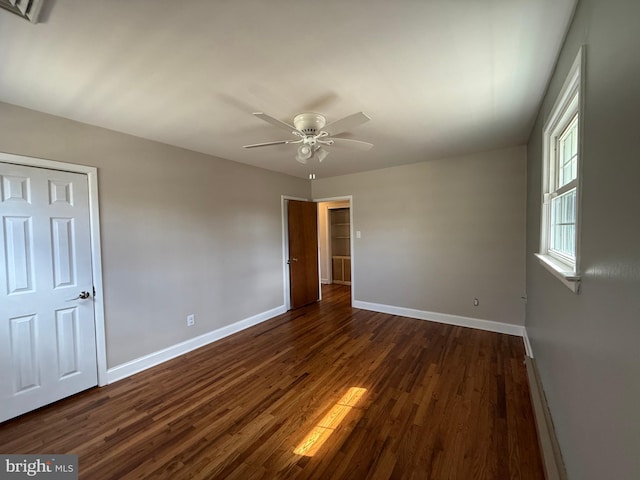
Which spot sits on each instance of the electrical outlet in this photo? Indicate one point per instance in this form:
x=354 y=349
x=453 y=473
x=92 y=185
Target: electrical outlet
x=476 y=302
x=191 y=320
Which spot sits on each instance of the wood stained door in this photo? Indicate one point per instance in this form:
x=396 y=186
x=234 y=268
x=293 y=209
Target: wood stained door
x=303 y=252
x=47 y=327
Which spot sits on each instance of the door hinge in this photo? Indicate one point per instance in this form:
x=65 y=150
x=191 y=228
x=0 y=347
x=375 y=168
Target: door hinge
x=94 y=292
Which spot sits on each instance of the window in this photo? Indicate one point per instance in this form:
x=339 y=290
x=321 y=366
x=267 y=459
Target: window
x=560 y=226
x=562 y=235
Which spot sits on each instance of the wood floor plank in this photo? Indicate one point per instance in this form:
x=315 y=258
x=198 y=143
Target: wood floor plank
x=436 y=402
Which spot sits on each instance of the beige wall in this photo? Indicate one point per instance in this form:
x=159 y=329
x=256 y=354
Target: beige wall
x=181 y=232
x=438 y=234
x=586 y=345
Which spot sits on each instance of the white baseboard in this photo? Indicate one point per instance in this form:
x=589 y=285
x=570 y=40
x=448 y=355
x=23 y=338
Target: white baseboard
x=477 y=323
x=527 y=344
x=553 y=464
x=151 y=360
x=325 y=281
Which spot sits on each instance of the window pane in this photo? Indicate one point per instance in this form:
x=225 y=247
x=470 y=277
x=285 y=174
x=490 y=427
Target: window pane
x=568 y=154
x=563 y=224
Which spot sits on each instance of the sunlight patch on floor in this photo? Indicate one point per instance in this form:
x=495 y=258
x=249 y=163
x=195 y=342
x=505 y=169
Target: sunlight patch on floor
x=325 y=427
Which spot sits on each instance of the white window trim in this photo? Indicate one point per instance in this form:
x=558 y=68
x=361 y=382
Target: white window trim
x=567 y=272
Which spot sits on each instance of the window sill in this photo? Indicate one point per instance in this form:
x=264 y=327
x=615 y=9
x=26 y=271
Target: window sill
x=562 y=272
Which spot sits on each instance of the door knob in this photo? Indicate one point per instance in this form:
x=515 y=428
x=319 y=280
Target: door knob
x=81 y=296
x=291 y=260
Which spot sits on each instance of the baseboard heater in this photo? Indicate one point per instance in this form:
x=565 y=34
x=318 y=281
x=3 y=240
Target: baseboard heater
x=554 y=468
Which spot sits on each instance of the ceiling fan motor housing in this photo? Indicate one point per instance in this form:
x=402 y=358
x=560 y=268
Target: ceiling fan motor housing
x=309 y=123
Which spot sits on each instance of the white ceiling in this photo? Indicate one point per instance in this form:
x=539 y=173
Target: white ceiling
x=439 y=78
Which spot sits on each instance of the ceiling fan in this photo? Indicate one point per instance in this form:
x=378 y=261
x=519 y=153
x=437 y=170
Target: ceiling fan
x=313 y=134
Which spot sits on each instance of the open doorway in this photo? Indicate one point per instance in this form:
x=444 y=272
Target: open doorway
x=335 y=221
x=324 y=273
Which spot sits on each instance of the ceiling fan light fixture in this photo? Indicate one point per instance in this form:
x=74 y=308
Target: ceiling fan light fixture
x=304 y=150
x=321 y=153
x=304 y=153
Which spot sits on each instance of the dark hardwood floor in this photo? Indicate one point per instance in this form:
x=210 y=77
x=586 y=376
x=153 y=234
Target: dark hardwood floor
x=432 y=402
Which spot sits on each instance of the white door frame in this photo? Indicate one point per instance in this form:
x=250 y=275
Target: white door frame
x=351 y=235
x=96 y=256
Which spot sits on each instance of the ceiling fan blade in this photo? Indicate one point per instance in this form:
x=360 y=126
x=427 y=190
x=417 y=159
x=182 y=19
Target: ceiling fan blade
x=321 y=153
x=281 y=142
x=275 y=122
x=346 y=123
x=266 y=144
x=349 y=143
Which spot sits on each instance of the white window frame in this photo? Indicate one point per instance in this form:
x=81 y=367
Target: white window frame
x=567 y=107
